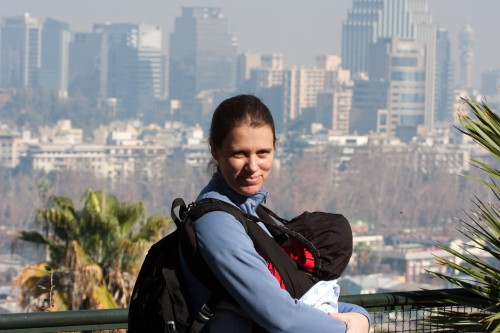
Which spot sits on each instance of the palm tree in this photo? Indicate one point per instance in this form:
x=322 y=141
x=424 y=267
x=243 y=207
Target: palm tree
x=94 y=253
x=363 y=254
x=482 y=229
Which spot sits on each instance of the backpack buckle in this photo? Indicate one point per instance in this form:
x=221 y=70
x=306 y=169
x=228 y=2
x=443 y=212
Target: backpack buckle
x=205 y=314
x=171 y=326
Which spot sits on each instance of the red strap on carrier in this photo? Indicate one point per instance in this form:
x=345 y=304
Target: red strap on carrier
x=302 y=257
x=297 y=251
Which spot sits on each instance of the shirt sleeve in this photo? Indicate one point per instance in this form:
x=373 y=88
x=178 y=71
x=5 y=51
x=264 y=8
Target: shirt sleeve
x=230 y=253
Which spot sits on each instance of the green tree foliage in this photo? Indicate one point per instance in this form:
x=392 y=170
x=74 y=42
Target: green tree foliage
x=482 y=229
x=94 y=253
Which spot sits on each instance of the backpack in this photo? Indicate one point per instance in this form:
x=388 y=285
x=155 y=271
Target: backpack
x=159 y=302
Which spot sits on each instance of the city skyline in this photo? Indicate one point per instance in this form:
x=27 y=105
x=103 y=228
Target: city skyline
x=267 y=27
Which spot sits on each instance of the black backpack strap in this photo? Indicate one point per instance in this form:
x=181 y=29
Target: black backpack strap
x=267 y=214
x=184 y=221
x=192 y=213
x=200 y=208
x=269 y=218
x=179 y=204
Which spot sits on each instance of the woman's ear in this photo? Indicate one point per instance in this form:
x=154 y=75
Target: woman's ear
x=213 y=150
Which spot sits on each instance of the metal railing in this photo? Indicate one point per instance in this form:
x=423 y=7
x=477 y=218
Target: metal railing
x=391 y=312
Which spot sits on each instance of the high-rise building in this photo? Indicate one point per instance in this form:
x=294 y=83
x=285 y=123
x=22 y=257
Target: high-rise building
x=262 y=75
x=20 y=52
x=88 y=63
x=490 y=87
x=333 y=110
x=202 y=54
x=121 y=53
x=369 y=20
x=133 y=67
x=150 y=72
x=303 y=85
x=54 y=70
x=407 y=87
x=466 y=45
x=369 y=97
x=256 y=71
x=443 y=109
x=425 y=32
x=397 y=76
x=490 y=83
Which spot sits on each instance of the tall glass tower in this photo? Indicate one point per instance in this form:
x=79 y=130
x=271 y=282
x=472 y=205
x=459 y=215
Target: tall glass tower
x=20 y=48
x=367 y=21
x=88 y=65
x=202 y=54
x=425 y=32
x=133 y=66
x=56 y=37
x=444 y=78
x=467 y=39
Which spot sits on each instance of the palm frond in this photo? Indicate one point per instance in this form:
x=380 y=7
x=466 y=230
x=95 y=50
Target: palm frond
x=102 y=299
x=62 y=203
x=129 y=216
x=33 y=237
x=484 y=129
x=29 y=275
x=153 y=229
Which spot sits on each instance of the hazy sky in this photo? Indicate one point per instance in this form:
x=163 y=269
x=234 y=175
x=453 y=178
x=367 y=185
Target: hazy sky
x=298 y=29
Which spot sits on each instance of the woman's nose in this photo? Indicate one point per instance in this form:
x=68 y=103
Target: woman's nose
x=252 y=164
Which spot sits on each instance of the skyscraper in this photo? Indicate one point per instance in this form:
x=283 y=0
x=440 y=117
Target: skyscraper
x=369 y=97
x=370 y=20
x=88 y=63
x=55 y=56
x=20 y=48
x=490 y=82
x=202 y=54
x=467 y=39
x=425 y=32
x=444 y=78
x=367 y=21
x=150 y=72
x=133 y=66
x=120 y=51
x=406 y=74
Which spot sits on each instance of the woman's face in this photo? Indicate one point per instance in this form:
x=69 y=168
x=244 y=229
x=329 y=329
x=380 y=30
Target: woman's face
x=246 y=157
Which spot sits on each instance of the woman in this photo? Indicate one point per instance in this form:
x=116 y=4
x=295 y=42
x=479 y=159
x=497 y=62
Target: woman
x=242 y=142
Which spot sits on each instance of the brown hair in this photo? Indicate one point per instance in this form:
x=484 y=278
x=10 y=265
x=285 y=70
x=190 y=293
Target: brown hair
x=236 y=111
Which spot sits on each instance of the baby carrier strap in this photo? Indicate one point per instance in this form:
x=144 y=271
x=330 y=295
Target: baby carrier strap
x=297 y=282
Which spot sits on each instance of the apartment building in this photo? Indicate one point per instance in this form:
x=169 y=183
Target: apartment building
x=107 y=161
